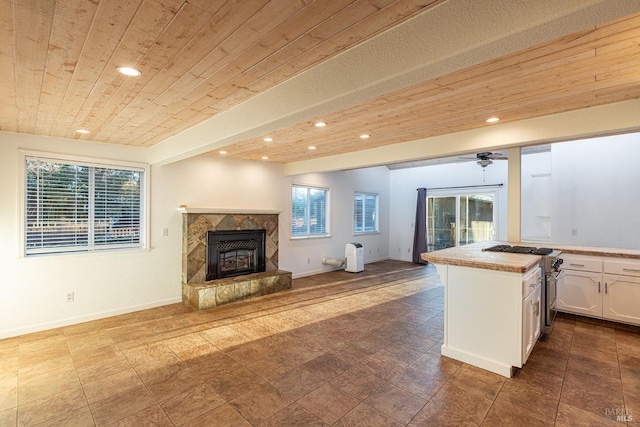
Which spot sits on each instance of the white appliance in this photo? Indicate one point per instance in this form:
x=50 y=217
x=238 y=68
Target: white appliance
x=354 y=253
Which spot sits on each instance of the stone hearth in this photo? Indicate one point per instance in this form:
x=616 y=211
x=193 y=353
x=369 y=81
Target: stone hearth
x=199 y=293
x=238 y=288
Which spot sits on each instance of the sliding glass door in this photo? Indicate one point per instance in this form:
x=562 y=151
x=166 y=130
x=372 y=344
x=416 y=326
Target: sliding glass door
x=460 y=219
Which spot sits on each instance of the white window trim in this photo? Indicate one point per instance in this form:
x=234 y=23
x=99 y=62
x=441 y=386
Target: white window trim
x=353 y=225
x=89 y=161
x=327 y=225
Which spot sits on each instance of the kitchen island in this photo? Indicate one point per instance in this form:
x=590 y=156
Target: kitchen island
x=492 y=305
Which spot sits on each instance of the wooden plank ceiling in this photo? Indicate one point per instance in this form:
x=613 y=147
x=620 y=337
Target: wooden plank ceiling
x=197 y=57
x=202 y=57
x=589 y=68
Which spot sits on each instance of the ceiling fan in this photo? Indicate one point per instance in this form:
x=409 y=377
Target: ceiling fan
x=484 y=159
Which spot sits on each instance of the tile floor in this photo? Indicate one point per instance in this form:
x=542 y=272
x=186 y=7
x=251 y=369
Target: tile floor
x=338 y=349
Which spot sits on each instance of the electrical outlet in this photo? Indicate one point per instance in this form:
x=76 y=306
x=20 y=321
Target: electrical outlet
x=408 y=250
x=70 y=296
x=574 y=231
x=369 y=251
x=165 y=232
x=308 y=260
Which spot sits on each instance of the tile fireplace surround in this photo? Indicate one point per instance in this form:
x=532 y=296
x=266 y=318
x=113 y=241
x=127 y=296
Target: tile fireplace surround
x=201 y=294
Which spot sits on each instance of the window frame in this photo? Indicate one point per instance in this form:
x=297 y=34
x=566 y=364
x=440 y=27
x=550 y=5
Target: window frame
x=144 y=168
x=327 y=227
x=377 y=213
x=488 y=190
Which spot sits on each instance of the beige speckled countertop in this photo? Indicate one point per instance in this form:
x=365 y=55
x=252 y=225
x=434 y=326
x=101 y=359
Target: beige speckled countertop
x=595 y=251
x=473 y=255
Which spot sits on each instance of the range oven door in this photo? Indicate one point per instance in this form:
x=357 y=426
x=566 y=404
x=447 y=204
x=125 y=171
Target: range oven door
x=551 y=288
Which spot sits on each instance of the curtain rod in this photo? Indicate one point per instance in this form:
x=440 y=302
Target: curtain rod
x=463 y=186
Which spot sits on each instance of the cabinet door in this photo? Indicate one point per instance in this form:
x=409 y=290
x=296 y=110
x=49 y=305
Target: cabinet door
x=621 y=298
x=580 y=292
x=530 y=322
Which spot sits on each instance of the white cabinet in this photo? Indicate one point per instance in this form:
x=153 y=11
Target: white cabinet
x=580 y=292
x=531 y=315
x=604 y=288
x=580 y=285
x=492 y=318
x=621 y=300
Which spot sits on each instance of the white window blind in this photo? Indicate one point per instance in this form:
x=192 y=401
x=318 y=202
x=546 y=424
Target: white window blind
x=309 y=211
x=365 y=213
x=71 y=206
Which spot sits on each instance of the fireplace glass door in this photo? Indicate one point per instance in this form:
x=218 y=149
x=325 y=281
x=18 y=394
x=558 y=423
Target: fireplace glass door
x=235 y=253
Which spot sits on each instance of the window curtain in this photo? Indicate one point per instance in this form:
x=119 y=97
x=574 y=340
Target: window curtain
x=420 y=231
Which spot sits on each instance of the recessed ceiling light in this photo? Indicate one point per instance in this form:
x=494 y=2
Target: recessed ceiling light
x=128 y=71
x=268 y=139
x=83 y=131
x=312 y=148
x=320 y=124
x=493 y=119
x=222 y=152
x=265 y=157
x=364 y=136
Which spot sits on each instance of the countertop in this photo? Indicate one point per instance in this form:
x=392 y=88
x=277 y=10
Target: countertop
x=596 y=251
x=473 y=256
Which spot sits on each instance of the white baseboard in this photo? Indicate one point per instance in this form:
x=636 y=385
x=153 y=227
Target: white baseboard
x=489 y=365
x=86 y=318
x=327 y=270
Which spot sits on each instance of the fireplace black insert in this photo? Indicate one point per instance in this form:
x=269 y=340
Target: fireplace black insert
x=234 y=253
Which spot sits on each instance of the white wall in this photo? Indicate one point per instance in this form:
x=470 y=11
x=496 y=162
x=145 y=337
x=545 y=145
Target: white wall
x=33 y=289
x=404 y=183
x=211 y=182
x=595 y=184
x=595 y=192
x=536 y=200
x=592 y=194
x=305 y=256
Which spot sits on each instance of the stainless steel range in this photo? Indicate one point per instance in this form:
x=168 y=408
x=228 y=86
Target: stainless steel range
x=551 y=271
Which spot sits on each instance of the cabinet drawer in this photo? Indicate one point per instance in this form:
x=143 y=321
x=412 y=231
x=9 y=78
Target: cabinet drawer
x=581 y=263
x=623 y=267
x=530 y=281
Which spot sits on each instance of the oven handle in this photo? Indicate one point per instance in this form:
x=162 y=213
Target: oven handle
x=557 y=276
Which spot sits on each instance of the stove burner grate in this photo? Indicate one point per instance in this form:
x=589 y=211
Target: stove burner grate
x=519 y=250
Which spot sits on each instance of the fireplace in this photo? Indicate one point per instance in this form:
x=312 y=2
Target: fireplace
x=234 y=253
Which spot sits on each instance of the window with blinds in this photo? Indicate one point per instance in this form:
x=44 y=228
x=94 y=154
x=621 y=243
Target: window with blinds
x=71 y=206
x=365 y=213
x=309 y=211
